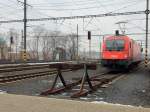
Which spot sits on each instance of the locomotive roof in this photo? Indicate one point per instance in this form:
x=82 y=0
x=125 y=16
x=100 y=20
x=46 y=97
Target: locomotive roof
x=119 y=37
x=125 y=37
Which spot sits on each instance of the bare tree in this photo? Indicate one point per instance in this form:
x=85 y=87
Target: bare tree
x=47 y=47
x=32 y=49
x=3 y=47
x=50 y=41
x=72 y=45
x=38 y=32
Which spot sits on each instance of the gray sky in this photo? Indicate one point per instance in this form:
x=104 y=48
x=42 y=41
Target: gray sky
x=11 y=9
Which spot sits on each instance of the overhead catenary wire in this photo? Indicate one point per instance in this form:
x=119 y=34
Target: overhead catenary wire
x=63 y=3
x=77 y=17
x=95 y=35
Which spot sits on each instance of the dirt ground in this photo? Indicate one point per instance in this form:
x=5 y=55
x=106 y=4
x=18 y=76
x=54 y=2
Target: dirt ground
x=19 y=103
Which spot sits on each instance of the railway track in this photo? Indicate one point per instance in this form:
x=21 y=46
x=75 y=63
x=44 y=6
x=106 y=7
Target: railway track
x=11 y=68
x=22 y=67
x=32 y=71
x=76 y=88
x=141 y=66
x=85 y=85
x=21 y=72
x=14 y=78
x=102 y=81
x=26 y=71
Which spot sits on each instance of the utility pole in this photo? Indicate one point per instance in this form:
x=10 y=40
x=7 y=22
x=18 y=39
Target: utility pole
x=77 y=43
x=25 y=29
x=11 y=46
x=89 y=38
x=16 y=43
x=90 y=56
x=22 y=45
x=100 y=46
x=146 y=40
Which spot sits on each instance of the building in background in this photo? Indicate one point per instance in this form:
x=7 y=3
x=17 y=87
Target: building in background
x=4 y=49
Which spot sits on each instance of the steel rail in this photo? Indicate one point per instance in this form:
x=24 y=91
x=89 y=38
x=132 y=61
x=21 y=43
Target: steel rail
x=12 y=78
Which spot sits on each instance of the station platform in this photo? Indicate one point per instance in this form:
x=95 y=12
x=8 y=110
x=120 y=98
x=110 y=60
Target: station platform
x=20 y=103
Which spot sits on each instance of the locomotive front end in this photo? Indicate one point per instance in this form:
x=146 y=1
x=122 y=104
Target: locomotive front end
x=115 y=52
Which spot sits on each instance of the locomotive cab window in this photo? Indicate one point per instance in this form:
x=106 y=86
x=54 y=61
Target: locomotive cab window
x=115 y=45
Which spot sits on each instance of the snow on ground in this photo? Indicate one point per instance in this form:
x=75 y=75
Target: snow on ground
x=115 y=104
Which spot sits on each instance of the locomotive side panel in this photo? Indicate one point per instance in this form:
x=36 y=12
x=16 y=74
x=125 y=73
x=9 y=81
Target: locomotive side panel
x=136 y=52
x=118 y=51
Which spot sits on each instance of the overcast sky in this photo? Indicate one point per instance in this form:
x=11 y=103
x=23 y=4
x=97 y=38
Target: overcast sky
x=12 y=9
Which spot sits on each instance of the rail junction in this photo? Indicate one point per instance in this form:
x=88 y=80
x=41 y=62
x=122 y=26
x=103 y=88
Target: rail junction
x=79 y=86
x=67 y=80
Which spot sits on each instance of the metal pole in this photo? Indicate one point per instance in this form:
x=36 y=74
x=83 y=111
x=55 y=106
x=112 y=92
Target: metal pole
x=37 y=48
x=77 y=43
x=10 y=51
x=22 y=45
x=90 y=48
x=16 y=47
x=25 y=27
x=146 y=40
x=100 y=47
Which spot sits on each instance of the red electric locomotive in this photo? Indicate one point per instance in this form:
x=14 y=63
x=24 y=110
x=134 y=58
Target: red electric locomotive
x=120 y=51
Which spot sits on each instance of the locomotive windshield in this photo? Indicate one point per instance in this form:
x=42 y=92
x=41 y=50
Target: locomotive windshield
x=115 y=45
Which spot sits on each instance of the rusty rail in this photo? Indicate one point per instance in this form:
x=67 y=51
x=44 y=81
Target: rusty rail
x=65 y=86
x=93 y=82
x=53 y=69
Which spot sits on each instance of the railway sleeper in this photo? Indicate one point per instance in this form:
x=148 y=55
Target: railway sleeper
x=91 y=83
x=65 y=86
x=95 y=85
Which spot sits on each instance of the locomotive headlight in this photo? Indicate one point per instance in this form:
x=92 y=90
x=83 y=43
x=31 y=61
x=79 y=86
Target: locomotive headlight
x=125 y=56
